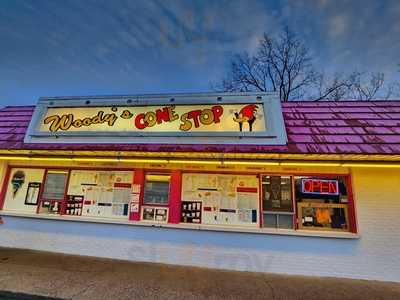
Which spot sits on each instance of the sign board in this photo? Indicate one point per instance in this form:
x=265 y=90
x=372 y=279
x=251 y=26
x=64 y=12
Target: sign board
x=134 y=207
x=194 y=118
x=319 y=186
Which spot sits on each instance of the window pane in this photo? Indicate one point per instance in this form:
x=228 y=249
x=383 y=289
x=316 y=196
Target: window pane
x=277 y=193
x=322 y=203
x=220 y=199
x=156 y=190
x=270 y=221
x=103 y=194
x=23 y=190
x=278 y=220
x=285 y=221
x=54 y=187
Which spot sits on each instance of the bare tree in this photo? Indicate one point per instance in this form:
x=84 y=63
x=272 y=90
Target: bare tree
x=246 y=74
x=355 y=86
x=288 y=64
x=284 y=65
x=280 y=64
x=334 y=89
x=370 y=87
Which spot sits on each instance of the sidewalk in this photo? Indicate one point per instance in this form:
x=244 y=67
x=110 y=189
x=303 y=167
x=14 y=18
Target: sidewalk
x=75 y=277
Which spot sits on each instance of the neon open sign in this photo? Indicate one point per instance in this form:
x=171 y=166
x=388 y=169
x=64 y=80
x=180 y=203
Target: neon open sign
x=319 y=186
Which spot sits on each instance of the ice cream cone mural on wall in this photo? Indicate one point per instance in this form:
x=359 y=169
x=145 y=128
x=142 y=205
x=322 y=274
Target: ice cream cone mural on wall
x=17 y=181
x=247 y=114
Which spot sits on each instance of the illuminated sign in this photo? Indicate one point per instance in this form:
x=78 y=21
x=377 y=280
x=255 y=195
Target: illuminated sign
x=172 y=119
x=319 y=186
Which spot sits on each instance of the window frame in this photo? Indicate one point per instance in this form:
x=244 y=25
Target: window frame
x=255 y=225
x=61 y=202
x=293 y=213
x=144 y=189
x=351 y=210
x=352 y=217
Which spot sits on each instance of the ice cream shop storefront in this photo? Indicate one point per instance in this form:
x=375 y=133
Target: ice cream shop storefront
x=230 y=181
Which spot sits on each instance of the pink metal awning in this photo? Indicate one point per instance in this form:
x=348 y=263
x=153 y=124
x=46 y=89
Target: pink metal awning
x=346 y=127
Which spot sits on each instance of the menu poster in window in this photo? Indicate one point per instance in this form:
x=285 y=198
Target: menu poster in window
x=105 y=195
x=161 y=214
x=245 y=215
x=247 y=181
x=275 y=194
x=247 y=200
x=123 y=177
x=225 y=199
x=54 y=187
x=120 y=209
x=121 y=195
x=190 y=196
x=188 y=182
x=148 y=213
x=32 y=193
x=205 y=181
x=227 y=202
x=227 y=184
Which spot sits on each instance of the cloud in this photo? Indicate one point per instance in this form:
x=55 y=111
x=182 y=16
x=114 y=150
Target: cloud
x=337 y=26
x=127 y=46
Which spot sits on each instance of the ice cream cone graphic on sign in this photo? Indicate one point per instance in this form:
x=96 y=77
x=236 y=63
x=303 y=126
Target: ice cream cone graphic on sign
x=17 y=181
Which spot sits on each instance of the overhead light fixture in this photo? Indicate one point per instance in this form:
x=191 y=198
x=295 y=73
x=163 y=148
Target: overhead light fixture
x=196 y=162
x=311 y=164
x=149 y=161
x=372 y=165
x=203 y=162
x=252 y=163
x=15 y=157
x=95 y=159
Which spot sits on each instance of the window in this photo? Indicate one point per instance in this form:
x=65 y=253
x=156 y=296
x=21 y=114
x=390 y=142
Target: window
x=277 y=201
x=322 y=203
x=23 y=190
x=92 y=193
x=104 y=194
x=219 y=199
x=54 y=185
x=156 y=189
x=53 y=195
x=271 y=201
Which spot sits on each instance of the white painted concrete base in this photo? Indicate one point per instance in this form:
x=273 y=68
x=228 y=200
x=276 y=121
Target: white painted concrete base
x=234 y=251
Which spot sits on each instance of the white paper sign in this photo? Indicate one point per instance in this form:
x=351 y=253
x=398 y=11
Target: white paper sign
x=134 y=207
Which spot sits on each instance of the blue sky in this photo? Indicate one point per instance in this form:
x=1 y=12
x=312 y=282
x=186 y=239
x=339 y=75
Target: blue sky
x=85 y=47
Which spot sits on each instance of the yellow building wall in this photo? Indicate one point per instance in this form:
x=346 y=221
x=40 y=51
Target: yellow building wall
x=377 y=198
x=374 y=255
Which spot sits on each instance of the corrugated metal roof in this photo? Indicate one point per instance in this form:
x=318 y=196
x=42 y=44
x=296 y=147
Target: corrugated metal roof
x=349 y=127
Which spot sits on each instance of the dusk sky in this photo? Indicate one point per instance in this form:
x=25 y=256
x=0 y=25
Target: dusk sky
x=77 y=47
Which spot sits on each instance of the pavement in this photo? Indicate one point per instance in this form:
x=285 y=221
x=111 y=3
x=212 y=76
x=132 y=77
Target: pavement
x=27 y=274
